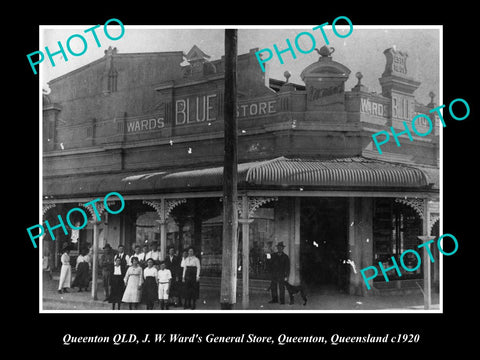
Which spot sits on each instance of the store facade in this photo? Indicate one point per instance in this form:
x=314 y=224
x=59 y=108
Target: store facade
x=309 y=175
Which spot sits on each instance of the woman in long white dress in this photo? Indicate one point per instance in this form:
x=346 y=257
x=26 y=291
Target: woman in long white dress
x=65 y=271
x=133 y=282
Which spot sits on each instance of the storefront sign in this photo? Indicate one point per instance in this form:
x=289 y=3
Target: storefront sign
x=153 y=123
x=315 y=93
x=256 y=109
x=373 y=108
x=402 y=107
x=197 y=109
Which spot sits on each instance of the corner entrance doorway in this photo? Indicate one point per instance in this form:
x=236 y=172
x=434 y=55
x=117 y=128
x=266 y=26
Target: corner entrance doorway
x=324 y=243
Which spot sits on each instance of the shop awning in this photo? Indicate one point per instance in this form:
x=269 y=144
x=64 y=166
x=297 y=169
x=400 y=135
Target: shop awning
x=343 y=174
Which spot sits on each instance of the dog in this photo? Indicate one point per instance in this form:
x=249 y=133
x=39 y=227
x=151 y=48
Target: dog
x=295 y=289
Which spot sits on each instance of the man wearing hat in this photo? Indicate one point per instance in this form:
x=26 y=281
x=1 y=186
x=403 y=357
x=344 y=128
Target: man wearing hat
x=280 y=269
x=106 y=264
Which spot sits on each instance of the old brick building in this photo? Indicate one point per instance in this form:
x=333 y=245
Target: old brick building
x=150 y=126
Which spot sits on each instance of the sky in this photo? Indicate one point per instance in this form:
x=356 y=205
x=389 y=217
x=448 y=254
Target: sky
x=361 y=51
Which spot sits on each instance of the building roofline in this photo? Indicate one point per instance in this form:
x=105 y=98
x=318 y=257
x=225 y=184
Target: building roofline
x=103 y=58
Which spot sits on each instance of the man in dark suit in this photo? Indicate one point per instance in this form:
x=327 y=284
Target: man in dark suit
x=124 y=259
x=106 y=264
x=280 y=270
x=172 y=263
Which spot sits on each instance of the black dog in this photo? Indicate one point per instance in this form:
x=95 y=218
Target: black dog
x=292 y=290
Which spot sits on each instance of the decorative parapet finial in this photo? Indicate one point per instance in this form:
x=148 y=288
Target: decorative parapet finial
x=287 y=75
x=325 y=51
x=359 y=86
x=431 y=94
x=110 y=51
x=359 y=76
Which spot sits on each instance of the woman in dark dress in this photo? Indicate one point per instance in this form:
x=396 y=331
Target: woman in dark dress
x=191 y=279
x=180 y=286
x=117 y=286
x=150 y=289
x=82 y=278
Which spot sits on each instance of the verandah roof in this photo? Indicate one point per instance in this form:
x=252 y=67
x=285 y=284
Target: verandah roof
x=342 y=174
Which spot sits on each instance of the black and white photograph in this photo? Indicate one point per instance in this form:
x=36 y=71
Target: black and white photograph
x=331 y=175
x=204 y=181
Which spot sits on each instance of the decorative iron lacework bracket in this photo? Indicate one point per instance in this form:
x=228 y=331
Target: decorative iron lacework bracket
x=415 y=204
x=254 y=203
x=100 y=209
x=433 y=219
x=47 y=205
x=164 y=209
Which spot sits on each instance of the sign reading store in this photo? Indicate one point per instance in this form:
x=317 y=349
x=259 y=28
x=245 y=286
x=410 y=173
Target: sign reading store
x=200 y=109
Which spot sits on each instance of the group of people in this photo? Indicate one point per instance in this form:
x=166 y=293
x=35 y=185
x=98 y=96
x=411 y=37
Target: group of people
x=82 y=278
x=142 y=277
x=145 y=277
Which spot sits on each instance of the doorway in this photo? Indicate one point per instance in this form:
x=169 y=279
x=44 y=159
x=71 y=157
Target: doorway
x=324 y=243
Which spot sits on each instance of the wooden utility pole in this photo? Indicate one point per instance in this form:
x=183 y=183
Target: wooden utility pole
x=228 y=290
x=95 y=261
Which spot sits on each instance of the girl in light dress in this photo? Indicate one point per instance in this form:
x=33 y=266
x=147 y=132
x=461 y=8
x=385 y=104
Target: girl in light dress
x=133 y=284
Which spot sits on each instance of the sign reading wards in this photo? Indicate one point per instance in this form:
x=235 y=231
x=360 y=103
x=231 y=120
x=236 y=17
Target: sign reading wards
x=373 y=108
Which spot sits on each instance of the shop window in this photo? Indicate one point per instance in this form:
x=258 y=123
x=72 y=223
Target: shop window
x=147 y=228
x=261 y=242
x=199 y=223
x=396 y=228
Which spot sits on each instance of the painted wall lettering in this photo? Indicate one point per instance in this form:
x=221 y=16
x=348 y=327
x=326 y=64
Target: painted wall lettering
x=256 y=109
x=373 y=108
x=198 y=109
x=317 y=93
x=195 y=109
x=145 y=124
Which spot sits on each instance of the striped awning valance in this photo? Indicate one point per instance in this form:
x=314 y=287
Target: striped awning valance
x=346 y=173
